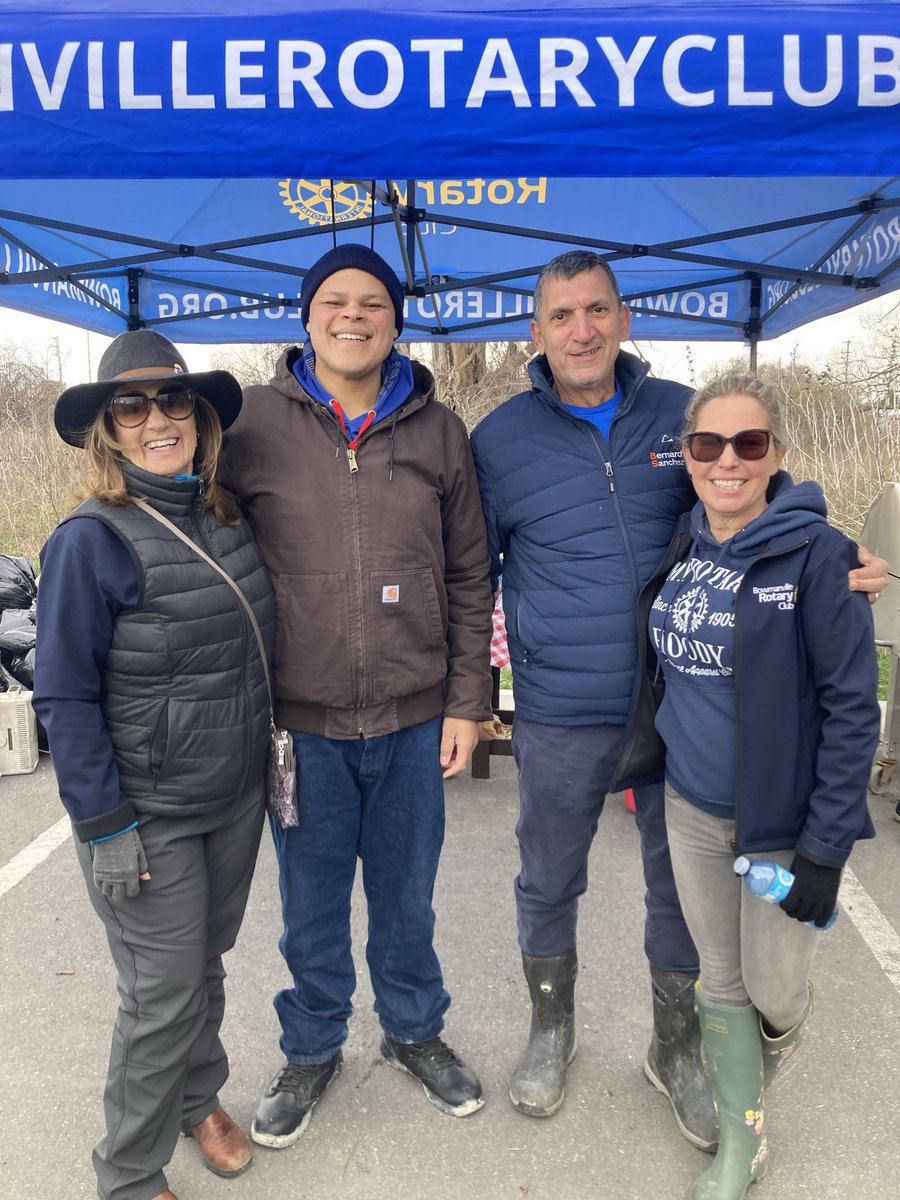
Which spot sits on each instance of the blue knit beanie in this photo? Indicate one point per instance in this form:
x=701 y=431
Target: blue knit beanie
x=360 y=258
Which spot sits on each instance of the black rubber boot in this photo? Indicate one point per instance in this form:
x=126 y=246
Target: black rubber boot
x=674 y=1064
x=538 y=1084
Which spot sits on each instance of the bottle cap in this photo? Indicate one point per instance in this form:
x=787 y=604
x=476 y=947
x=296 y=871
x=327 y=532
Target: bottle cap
x=741 y=865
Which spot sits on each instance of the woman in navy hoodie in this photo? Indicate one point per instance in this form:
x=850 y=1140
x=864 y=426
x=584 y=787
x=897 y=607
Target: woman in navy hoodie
x=770 y=721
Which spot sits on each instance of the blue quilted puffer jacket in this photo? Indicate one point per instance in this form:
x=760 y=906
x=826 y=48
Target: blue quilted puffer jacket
x=577 y=525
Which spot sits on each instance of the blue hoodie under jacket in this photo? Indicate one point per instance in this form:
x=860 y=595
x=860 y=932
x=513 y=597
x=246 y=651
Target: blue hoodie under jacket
x=580 y=524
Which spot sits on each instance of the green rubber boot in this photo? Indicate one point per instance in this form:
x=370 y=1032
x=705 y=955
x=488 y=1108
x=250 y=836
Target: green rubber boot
x=733 y=1048
x=776 y=1051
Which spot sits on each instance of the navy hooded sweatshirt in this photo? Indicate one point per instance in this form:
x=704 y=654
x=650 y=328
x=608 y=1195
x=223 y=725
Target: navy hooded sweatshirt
x=692 y=629
x=794 y=748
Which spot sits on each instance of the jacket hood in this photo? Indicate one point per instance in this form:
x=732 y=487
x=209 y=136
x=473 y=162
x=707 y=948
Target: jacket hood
x=630 y=371
x=285 y=381
x=792 y=506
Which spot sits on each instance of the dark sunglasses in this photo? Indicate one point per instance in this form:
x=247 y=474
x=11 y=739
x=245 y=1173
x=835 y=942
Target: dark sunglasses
x=749 y=444
x=130 y=409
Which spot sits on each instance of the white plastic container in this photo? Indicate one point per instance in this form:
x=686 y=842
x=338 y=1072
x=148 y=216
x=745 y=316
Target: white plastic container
x=18 y=733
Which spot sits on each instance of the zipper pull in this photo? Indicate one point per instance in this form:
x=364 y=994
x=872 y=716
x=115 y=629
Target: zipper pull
x=609 y=476
x=351 y=460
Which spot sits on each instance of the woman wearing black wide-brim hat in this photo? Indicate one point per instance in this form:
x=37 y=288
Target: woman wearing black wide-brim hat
x=151 y=684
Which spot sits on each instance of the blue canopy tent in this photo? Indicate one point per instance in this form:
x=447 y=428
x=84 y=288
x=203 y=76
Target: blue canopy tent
x=182 y=166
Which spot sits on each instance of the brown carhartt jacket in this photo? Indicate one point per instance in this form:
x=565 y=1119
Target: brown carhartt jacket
x=383 y=597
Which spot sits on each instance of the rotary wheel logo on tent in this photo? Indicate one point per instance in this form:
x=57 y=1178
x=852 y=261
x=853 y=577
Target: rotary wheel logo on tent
x=318 y=201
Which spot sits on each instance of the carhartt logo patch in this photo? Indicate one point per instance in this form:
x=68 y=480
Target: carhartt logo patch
x=390 y=593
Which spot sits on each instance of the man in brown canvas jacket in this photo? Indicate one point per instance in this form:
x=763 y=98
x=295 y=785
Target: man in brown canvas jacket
x=362 y=492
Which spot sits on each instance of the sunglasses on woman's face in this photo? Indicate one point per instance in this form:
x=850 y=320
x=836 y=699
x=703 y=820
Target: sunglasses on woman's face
x=749 y=444
x=130 y=409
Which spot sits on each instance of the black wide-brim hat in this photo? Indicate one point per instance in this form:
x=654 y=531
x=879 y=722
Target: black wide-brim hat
x=136 y=357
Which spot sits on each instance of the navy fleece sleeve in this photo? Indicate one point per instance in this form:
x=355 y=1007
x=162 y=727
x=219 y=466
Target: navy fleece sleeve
x=88 y=577
x=840 y=644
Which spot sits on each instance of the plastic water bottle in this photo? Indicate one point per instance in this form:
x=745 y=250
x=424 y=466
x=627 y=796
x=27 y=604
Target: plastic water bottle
x=771 y=882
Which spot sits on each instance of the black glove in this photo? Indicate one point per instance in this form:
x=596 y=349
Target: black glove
x=813 y=894
x=118 y=862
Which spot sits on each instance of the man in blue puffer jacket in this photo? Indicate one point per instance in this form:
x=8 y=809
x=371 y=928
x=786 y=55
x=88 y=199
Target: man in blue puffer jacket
x=582 y=483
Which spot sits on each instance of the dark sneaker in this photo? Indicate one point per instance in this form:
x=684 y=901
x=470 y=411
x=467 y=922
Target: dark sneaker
x=897 y=812
x=449 y=1084
x=287 y=1103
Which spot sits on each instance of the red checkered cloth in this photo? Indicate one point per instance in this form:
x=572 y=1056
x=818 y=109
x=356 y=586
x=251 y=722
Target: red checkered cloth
x=499 y=648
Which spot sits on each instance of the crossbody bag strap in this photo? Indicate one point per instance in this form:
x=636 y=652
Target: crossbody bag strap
x=170 y=525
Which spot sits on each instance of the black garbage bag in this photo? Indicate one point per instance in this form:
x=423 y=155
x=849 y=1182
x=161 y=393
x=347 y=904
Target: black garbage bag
x=21 y=667
x=17 y=585
x=7 y=680
x=17 y=631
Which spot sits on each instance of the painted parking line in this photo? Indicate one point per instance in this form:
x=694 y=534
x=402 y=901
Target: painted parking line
x=874 y=928
x=34 y=854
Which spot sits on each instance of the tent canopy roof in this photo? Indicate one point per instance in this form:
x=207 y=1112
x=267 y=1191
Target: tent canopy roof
x=173 y=164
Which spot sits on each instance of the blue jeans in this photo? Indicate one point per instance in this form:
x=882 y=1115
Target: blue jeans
x=379 y=799
x=565 y=772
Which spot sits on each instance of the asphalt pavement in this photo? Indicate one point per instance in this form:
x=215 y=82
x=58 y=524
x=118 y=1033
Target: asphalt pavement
x=833 y=1119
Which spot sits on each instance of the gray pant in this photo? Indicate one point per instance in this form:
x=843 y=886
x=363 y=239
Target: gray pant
x=167 y=1062
x=750 y=951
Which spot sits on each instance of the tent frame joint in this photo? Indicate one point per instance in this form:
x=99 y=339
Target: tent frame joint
x=135 y=321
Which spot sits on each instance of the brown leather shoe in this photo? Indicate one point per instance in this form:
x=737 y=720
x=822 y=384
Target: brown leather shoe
x=166 y=1195
x=223 y=1145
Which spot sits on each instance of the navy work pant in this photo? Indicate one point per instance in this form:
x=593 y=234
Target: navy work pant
x=565 y=772
x=379 y=800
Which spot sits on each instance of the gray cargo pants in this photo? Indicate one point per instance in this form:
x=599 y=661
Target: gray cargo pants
x=167 y=1063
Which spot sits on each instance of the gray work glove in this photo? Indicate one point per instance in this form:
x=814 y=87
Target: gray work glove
x=118 y=862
